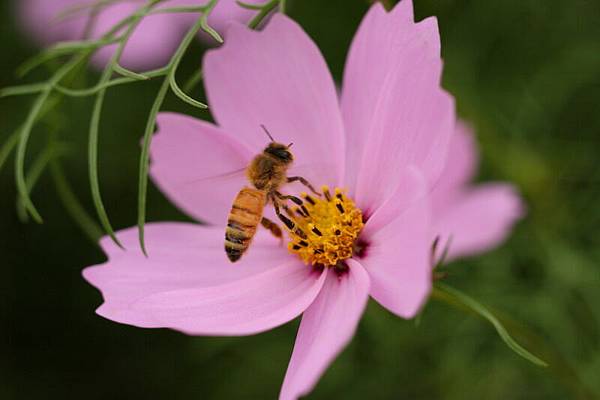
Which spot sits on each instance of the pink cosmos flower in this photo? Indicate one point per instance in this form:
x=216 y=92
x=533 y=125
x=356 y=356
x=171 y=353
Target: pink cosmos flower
x=153 y=43
x=471 y=220
x=383 y=144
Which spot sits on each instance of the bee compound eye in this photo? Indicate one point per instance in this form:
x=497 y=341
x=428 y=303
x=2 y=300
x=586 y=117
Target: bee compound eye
x=282 y=154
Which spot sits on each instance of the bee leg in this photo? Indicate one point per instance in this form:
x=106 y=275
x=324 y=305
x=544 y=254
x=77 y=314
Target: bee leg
x=304 y=182
x=302 y=208
x=294 y=199
x=273 y=228
x=286 y=221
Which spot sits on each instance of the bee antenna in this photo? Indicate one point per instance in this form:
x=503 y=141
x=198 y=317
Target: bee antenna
x=267 y=132
x=290 y=145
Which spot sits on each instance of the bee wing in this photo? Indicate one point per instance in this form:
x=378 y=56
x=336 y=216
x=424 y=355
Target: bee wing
x=206 y=194
x=219 y=178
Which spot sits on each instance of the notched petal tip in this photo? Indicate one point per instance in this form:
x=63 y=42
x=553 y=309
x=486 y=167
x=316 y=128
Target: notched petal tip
x=405 y=10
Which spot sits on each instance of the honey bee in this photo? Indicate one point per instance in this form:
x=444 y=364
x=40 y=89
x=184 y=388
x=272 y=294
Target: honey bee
x=267 y=173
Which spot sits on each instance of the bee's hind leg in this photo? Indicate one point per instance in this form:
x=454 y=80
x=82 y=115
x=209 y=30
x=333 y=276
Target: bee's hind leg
x=304 y=182
x=286 y=221
x=273 y=228
x=302 y=210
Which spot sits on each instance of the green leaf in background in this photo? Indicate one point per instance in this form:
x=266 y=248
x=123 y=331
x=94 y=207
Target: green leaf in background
x=453 y=296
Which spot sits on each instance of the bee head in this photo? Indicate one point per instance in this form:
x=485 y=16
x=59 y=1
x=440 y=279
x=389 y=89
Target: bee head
x=280 y=151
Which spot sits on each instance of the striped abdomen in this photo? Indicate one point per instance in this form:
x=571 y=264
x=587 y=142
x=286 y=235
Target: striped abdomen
x=244 y=217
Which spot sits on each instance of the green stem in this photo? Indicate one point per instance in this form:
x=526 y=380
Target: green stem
x=104 y=85
x=22 y=89
x=26 y=131
x=72 y=204
x=178 y=10
x=8 y=147
x=452 y=296
x=145 y=160
x=95 y=123
x=63 y=49
x=34 y=174
x=193 y=80
x=169 y=81
x=262 y=13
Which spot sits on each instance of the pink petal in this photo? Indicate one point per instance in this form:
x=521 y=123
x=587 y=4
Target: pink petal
x=394 y=109
x=278 y=78
x=245 y=307
x=225 y=12
x=397 y=256
x=460 y=168
x=181 y=256
x=327 y=326
x=195 y=165
x=479 y=219
x=411 y=188
x=151 y=45
x=40 y=19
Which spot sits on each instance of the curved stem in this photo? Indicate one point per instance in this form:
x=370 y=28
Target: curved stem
x=95 y=123
x=145 y=161
x=169 y=81
x=25 y=132
x=8 y=147
x=452 y=296
x=72 y=204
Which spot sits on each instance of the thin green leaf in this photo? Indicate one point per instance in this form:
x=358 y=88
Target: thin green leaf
x=93 y=168
x=128 y=73
x=20 y=158
x=104 y=85
x=193 y=80
x=450 y=295
x=8 y=147
x=262 y=13
x=95 y=121
x=250 y=6
x=35 y=112
x=72 y=204
x=62 y=49
x=22 y=89
x=204 y=22
x=169 y=81
x=177 y=10
x=145 y=160
x=92 y=90
x=82 y=9
x=181 y=94
x=34 y=174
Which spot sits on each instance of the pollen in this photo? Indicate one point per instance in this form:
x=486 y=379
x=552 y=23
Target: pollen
x=325 y=229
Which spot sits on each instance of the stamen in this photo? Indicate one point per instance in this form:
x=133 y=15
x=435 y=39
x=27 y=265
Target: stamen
x=325 y=191
x=300 y=212
x=333 y=224
x=288 y=223
x=296 y=200
x=309 y=199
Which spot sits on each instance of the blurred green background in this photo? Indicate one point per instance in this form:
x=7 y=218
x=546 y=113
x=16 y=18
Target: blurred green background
x=526 y=73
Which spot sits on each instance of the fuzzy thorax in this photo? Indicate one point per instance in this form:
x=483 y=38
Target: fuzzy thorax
x=326 y=230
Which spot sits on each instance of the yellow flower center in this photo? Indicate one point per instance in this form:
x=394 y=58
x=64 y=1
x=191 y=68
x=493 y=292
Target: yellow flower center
x=326 y=229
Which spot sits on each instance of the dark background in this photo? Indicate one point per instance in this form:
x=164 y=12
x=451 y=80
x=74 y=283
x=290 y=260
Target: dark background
x=526 y=73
